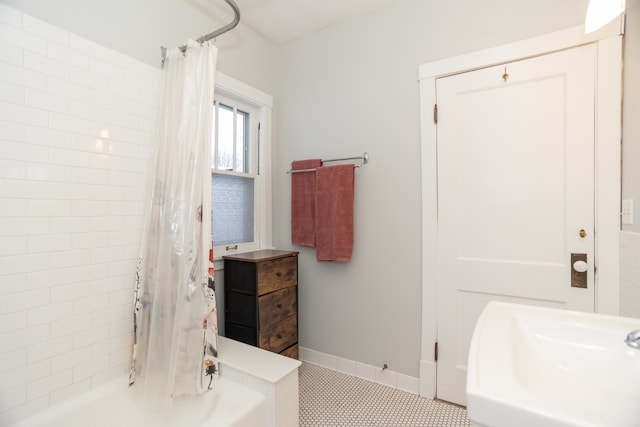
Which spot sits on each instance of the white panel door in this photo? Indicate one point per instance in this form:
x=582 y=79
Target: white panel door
x=515 y=187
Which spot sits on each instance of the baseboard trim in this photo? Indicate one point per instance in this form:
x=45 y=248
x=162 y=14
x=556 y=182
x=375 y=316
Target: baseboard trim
x=361 y=370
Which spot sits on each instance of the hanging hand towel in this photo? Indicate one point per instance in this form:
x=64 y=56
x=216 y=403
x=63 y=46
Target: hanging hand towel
x=303 y=203
x=334 y=213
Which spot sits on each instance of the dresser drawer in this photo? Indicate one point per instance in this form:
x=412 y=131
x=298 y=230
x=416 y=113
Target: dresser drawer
x=280 y=335
x=278 y=305
x=277 y=274
x=241 y=333
x=291 y=352
x=244 y=309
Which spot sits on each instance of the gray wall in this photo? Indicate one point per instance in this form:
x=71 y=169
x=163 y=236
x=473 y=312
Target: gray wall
x=353 y=88
x=630 y=239
x=138 y=28
x=631 y=113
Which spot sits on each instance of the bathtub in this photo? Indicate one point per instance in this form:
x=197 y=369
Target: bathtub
x=113 y=404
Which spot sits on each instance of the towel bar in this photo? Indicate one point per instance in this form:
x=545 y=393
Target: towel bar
x=364 y=158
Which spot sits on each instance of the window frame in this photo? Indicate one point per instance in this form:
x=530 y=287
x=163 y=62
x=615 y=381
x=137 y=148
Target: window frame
x=233 y=103
x=262 y=103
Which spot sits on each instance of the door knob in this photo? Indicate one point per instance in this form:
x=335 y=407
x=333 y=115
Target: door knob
x=580 y=266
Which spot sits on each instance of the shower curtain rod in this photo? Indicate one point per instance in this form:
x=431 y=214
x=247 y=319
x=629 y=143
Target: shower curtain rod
x=230 y=26
x=364 y=158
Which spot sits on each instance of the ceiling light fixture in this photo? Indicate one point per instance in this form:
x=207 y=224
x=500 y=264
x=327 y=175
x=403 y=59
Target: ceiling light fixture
x=601 y=12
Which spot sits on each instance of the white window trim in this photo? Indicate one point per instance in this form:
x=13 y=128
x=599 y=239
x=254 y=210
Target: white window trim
x=253 y=111
x=263 y=102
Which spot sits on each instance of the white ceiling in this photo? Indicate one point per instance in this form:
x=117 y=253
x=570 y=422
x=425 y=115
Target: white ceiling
x=284 y=20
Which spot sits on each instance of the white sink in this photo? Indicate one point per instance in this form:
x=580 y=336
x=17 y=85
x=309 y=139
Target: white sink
x=534 y=366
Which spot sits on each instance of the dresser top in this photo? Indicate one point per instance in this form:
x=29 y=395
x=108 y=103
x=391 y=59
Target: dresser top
x=259 y=256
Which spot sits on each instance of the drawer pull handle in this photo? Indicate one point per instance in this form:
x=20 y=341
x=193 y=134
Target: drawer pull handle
x=278 y=305
x=279 y=336
x=278 y=274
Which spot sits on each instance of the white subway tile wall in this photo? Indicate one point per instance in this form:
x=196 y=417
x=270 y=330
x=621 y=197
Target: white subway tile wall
x=77 y=123
x=630 y=274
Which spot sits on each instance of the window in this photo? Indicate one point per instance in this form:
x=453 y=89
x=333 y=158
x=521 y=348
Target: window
x=239 y=182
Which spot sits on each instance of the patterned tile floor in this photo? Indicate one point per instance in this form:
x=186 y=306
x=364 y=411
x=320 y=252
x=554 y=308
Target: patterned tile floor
x=330 y=398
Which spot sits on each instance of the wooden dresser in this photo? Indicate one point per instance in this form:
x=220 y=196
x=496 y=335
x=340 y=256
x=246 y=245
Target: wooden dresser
x=261 y=300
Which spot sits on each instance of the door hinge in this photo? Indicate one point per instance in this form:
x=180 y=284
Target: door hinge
x=435 y=113
x=435 y=352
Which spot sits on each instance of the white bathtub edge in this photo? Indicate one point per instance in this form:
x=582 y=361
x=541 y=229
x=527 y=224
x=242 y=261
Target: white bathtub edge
x=250 y=407
x=262 y=364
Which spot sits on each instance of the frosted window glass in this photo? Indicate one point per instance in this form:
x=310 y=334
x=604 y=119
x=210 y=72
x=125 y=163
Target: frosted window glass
x=232 y=209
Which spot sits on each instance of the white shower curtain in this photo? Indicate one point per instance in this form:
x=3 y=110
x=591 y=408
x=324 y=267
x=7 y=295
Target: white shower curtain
x=175 y=351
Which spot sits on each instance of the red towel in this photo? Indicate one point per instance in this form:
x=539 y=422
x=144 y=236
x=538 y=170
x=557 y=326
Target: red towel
x=303 y=203
x=334 y=212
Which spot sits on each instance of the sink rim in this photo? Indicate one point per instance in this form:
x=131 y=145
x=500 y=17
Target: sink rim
x=503 y=398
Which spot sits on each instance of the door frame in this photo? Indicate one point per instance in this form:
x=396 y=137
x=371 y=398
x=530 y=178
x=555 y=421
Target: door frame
x=608 y=134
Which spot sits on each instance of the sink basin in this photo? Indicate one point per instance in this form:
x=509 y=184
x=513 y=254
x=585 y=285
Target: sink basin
x=535 y=366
